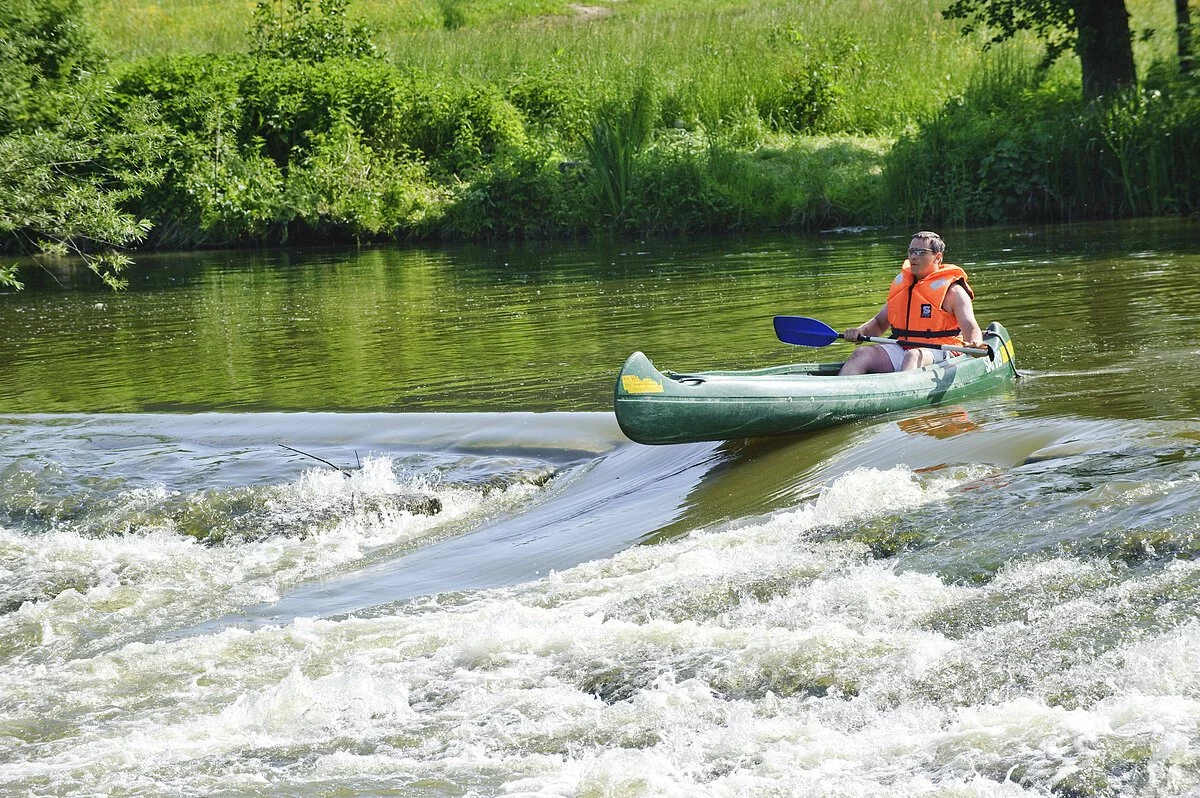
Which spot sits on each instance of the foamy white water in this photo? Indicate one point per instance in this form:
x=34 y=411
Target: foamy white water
x=133 y=569
x=764 y=657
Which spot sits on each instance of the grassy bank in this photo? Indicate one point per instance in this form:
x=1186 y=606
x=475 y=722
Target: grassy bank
x=483 y=118
x=887 y=65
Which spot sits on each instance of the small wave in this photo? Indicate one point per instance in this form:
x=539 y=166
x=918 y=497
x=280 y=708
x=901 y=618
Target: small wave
x=1034 y=374
x=145 y=558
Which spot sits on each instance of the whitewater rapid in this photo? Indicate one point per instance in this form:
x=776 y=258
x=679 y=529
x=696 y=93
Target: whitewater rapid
x=956 y=603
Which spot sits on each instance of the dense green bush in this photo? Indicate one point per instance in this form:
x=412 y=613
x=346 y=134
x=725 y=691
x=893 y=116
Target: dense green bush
x=521 y=194
x=675 y=191
x=1040 y=153
x=258 y=144
x=552 y=101
x=46 y=47
x=284 y=104
x=301 y=30
x=342 y=188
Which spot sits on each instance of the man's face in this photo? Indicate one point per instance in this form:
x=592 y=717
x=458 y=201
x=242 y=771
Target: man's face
x=921 y=256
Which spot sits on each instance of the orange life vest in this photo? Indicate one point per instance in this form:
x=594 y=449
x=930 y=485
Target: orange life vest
x=914 y=308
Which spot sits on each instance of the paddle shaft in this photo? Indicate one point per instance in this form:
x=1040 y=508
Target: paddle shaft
x=968 y=350
x=804 y=331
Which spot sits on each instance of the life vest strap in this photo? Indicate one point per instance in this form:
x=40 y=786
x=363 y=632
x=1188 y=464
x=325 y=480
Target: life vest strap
x=926 y=333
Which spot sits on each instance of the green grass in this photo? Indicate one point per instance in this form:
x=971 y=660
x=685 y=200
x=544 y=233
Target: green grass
x=138 y=27
x=715 y=58
x=892 y=64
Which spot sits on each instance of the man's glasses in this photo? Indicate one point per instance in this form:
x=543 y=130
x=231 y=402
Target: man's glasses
x=918 y=253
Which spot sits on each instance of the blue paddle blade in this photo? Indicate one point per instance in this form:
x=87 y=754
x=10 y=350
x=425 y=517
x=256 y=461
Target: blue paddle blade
x=804 y=332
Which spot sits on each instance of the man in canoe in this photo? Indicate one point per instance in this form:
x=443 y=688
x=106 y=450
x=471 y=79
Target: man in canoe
x=929 y=301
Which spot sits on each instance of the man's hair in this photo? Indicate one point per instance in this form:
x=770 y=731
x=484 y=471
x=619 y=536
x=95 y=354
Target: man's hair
x=935 y=241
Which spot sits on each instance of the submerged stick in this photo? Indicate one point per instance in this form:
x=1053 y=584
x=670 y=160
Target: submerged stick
x=345 y=472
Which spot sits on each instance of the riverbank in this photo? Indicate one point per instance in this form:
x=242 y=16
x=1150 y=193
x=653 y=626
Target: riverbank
x=539 y=119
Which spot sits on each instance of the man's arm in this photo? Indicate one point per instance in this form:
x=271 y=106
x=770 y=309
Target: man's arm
x=958 y=302
x=877 y=326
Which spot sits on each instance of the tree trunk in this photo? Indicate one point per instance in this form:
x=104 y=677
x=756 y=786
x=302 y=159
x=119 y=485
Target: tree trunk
x=1105 y=46
x=1183 y=32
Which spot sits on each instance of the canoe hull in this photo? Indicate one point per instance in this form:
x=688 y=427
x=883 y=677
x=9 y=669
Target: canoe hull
x=656 y=407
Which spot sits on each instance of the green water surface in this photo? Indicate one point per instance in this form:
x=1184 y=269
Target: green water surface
x=1103 y=316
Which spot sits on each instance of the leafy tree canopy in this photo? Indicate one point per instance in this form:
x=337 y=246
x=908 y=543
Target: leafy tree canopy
x=1052 y=21
x=44 y=46
x=1098 y=30
x=68 y=160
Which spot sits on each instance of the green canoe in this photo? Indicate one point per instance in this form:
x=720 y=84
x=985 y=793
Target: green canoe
x=665 y=407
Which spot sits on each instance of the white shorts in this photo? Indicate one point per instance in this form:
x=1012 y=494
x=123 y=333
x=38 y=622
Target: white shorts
x=896 y=353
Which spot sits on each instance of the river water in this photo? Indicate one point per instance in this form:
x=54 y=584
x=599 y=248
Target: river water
x=362 y=523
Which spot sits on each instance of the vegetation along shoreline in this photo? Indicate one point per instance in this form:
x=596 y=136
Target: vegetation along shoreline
x=170 y=125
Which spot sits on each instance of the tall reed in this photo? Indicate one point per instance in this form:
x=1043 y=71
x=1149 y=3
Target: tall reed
x=618 y=135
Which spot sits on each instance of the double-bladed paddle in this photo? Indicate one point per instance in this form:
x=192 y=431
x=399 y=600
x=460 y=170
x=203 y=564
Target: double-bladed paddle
x=810 y=332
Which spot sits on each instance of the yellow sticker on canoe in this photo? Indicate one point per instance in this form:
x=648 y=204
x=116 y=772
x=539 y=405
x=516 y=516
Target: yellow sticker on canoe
x=1007 y=353
x=635 y=384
